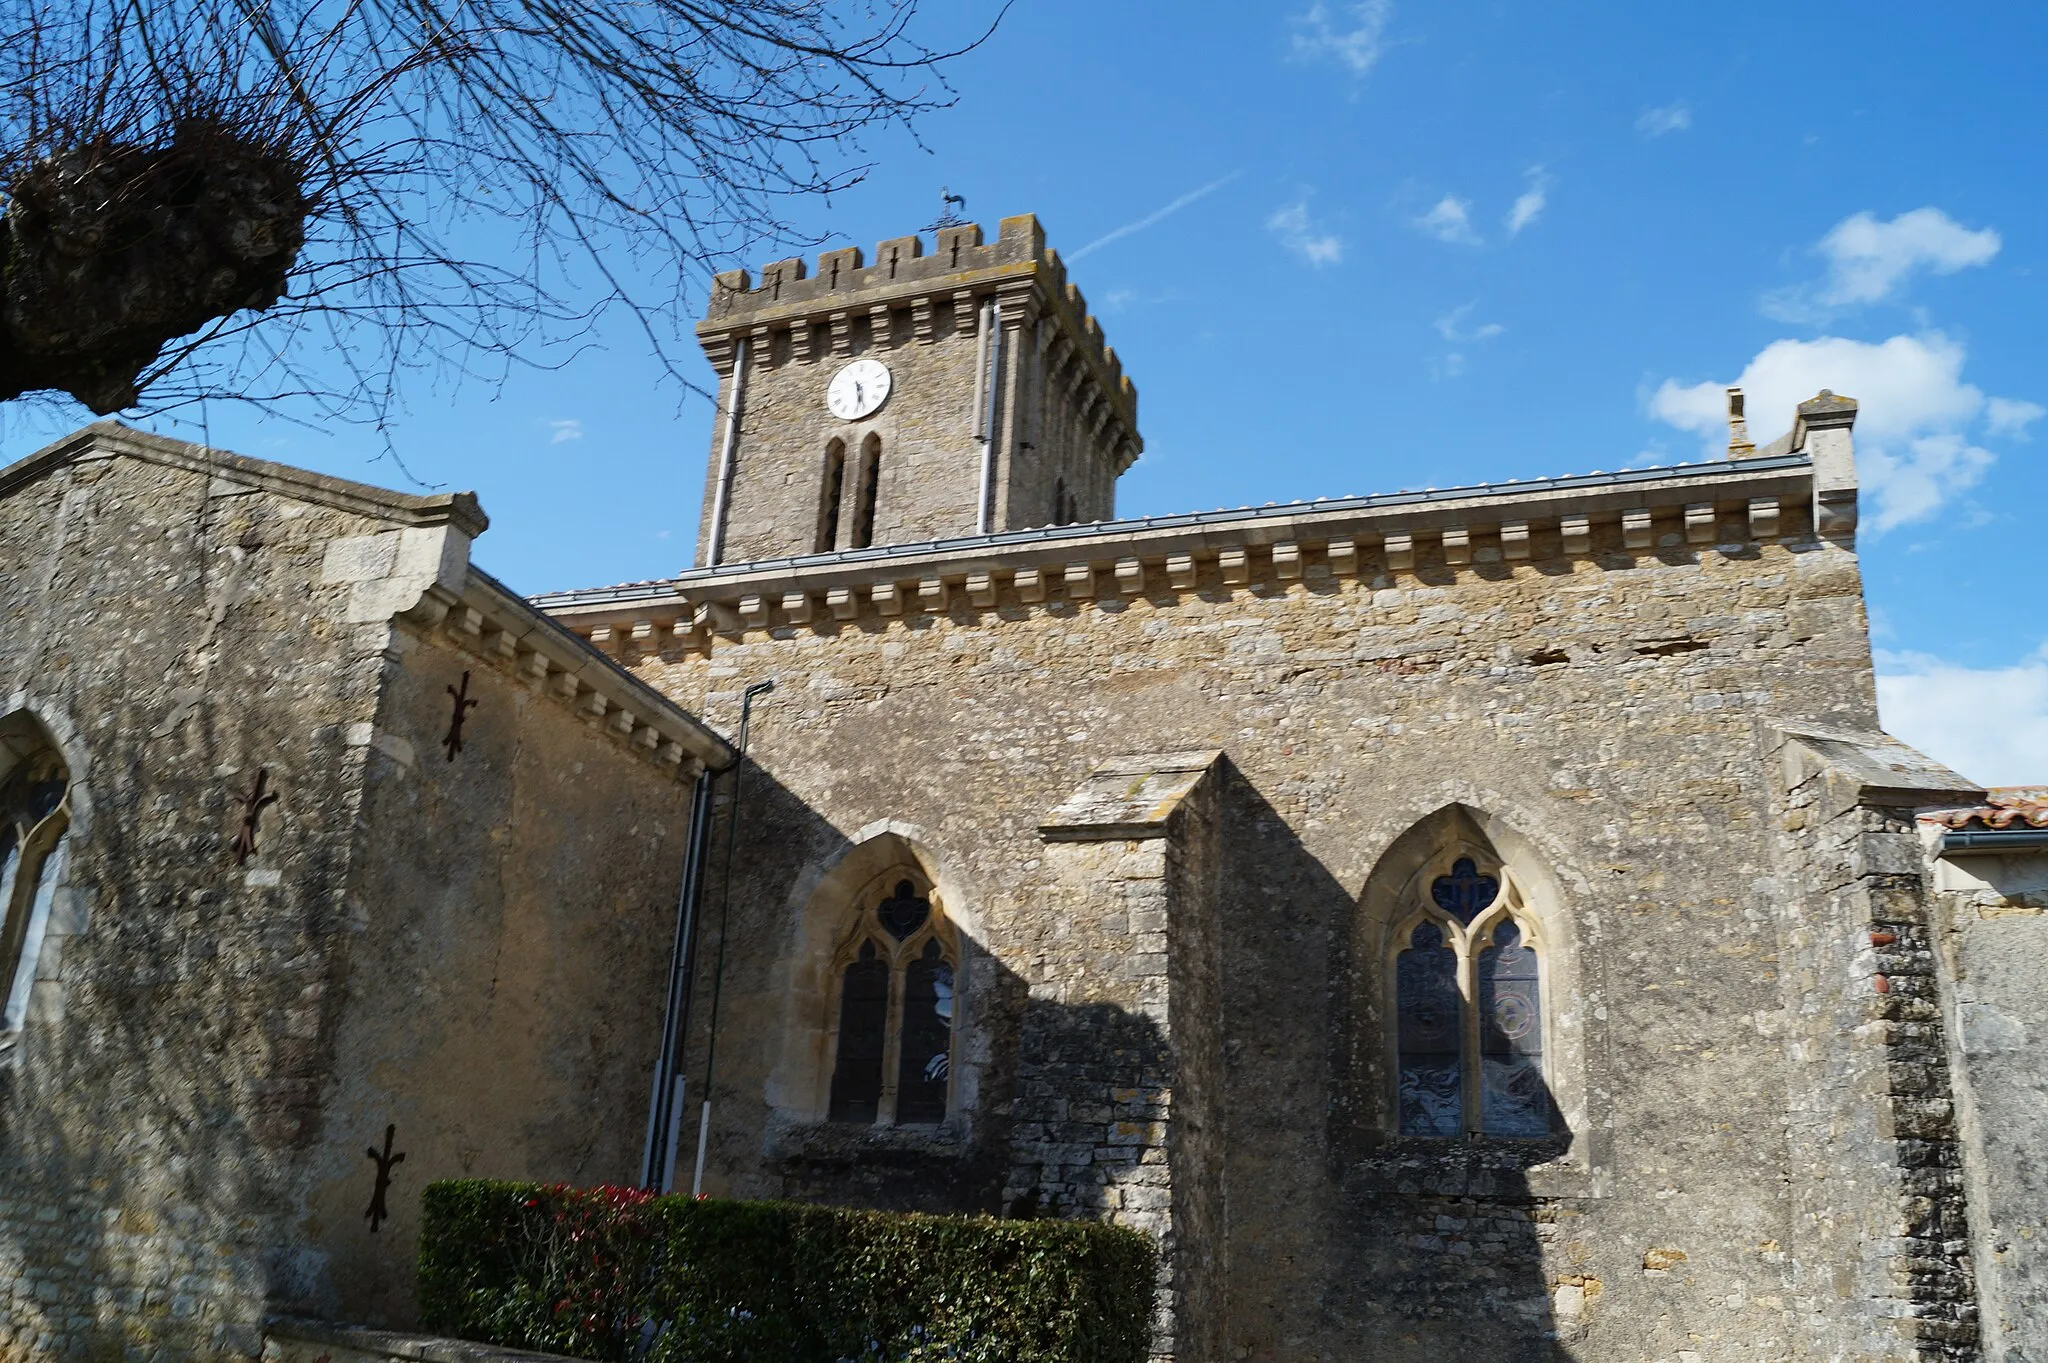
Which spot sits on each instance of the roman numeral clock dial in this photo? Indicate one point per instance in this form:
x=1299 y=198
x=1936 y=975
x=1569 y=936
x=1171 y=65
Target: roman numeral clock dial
x=858 y=390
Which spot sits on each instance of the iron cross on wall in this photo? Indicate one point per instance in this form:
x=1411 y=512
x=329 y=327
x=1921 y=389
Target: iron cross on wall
x=378 y=1213
x=463 y=705
x=253 y=804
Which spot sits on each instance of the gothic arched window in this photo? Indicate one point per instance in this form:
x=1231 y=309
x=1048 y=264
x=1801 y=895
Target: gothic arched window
x=833 y=491
x=893 y=1061
x=869 y=488
x=1469 y=1011
x=34 y=817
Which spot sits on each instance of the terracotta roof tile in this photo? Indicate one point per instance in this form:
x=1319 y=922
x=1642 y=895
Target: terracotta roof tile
x=2003 y=807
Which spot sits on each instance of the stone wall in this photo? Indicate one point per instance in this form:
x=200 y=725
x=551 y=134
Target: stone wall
x=505 y=958
x=172 y=628
x=1603 y=692
x=1879 y=1253
x=1992 y=930
x=213 y=1042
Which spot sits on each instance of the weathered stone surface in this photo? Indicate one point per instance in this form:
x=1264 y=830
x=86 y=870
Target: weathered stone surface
x=1352 y=708
x=471 y=948
x=1991 y=936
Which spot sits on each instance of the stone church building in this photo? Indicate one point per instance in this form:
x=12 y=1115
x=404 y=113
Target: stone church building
x=1474 y=923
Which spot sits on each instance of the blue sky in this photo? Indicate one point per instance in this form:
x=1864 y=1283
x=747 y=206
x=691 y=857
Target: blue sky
x=1346 y=247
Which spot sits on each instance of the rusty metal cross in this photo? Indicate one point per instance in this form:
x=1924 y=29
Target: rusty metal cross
x=378 y=1213
x=253 y=804
x=463 y=705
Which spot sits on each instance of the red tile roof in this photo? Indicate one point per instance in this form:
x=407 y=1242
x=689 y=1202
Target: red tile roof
x=2003 y=807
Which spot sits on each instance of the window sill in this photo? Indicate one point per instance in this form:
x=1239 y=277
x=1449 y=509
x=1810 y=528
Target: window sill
x=857 y=1142
x=1496 y=1169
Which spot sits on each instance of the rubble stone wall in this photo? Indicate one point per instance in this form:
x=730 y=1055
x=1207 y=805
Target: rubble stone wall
x=473 y=950
x=1614 y=708
x=1992 y=937
x=173 y=629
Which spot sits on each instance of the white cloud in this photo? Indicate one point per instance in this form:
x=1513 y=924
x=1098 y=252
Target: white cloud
x=2010 y=416
x=1354 y=36
x=1301 y=234
x=1450 y=220
x=1990 y=724
x=1671 y=118
x=1449 y=367
x=565 y=431
x=1531 y=201
x=1451 y=326
x=1870 y=261
x=1913 y=445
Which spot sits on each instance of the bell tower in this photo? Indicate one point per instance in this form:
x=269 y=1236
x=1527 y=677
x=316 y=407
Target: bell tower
x=918 y=398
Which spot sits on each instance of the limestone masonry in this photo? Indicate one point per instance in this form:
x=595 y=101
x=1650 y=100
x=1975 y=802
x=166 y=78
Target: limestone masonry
x=1482 y=923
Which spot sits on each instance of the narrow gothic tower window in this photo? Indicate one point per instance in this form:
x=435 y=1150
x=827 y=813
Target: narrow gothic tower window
x=833 y=491
x=870 y=486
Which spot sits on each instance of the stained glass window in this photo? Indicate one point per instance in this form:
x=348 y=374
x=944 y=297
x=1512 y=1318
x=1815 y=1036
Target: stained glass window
x=1464 y=893
x=897 y=1008
x=1468 y=1011
x=863 y=1033
x=1429 y=1028
x=33 y=821
x=927 y=1037
x=1513 y=1099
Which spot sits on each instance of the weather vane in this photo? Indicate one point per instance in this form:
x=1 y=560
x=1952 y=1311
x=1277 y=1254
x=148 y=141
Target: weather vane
x=948 y=201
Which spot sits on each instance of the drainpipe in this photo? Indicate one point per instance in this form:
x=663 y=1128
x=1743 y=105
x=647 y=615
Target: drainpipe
x=728 y=442
x=665 y=1103
x=732 y=828
x=991 y=374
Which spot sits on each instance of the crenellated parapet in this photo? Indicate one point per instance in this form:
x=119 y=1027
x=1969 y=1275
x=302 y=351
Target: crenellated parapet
x=916 y=292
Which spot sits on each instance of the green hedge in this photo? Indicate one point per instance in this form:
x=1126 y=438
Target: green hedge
x=612 y=1273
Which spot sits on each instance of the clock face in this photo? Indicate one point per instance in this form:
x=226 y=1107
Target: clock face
x=858 y=389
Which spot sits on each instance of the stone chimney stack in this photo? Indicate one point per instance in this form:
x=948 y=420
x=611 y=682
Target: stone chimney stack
x=1740 y=446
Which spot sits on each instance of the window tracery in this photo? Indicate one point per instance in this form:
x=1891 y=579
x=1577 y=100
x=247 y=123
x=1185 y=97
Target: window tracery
x=893 y=1053
x=34 y=818
x=1469 y=1031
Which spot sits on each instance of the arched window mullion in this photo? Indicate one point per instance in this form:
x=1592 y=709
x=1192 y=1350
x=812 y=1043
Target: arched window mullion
x=892 y=1044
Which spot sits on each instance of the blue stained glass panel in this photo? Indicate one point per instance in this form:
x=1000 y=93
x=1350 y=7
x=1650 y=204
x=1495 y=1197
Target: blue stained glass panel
x=1428 y=1008
x=1513 y=1098
x=1464 y=893
x=863 y=1020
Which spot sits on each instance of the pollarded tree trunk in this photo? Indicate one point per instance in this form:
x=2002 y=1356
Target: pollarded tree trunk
x=109 y=250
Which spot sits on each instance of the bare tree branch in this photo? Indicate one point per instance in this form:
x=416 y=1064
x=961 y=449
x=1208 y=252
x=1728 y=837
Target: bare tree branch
x=209 y=199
